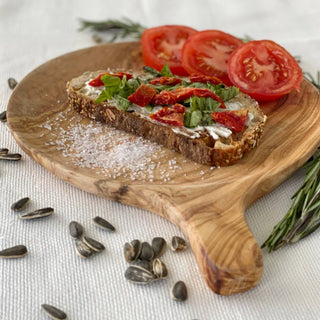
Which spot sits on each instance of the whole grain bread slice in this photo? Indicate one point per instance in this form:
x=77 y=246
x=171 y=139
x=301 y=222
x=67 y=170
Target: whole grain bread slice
x=203 y=149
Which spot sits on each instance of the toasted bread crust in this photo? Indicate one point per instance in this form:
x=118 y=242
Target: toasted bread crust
x=221 y=152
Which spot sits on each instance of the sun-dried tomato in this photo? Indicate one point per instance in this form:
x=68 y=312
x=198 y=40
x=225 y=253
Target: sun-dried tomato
x=97 y=82
x=170 y=115
x=180 y=94
x=204 y=79
x=164 y=98
x=143 y=95
x=170 y=81
x=233 y=119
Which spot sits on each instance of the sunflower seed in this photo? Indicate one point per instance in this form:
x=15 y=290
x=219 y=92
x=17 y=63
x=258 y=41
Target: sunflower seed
x=159 y=269
x=41 y=213
x=136 y=274
x=129 y=252
x=93 y=244
x=14 y=252
x=146 y=252
x=83 y=250
x=104 y=224
x=10 y=156
x=20 y=204
x=145 y=264
x=179 y=291
x=159 y=246
x=12 y=83
x=137 y=247
x=3 y=116
x=96 y=38
x=75 y=229
x=178 y=244
x=53 y=312
x=3 y=151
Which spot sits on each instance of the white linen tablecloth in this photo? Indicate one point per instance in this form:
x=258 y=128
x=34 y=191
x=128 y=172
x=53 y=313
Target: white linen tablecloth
x=32 y=32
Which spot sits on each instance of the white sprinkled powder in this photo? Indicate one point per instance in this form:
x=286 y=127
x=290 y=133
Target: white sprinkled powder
x=111 y=152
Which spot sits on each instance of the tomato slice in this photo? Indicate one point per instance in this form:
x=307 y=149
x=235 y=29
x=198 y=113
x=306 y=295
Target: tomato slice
x=170 y=115
x=97 y=82
x=233 y=119
x=264 y=70
x=207 y=52
x=164 y=44
x=143 y=95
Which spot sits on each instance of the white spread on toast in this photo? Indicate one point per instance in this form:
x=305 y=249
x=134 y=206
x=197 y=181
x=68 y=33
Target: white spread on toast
x=215 y=130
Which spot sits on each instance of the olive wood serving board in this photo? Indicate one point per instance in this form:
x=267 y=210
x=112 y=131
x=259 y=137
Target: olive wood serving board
x=208 y=205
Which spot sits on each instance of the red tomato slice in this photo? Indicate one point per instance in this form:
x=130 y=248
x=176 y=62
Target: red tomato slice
x=97 y=82
x=207 y=52
x=143 y=95
x=164 y=44
x=264 y=70
x=170 y=115
x=233 y=119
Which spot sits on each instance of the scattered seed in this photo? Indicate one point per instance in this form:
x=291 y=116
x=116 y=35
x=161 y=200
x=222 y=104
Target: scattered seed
x=83 y=250
x=104 y=224
x=3 y=151
x=145 y=264
x=159 y=246
x=179 y=291
x=12 y=83
x=14 y=252
x=93 y=244
x=10 y=156
x=53 y=312
x=137 y=248
x=41 y=213
x=159 y=269
x=75 y=229
x=20 y=204
x=146 y=252
x=139 y=275
x=178 y=244
x=3 y=116
x=96 y=38
x=129 y=252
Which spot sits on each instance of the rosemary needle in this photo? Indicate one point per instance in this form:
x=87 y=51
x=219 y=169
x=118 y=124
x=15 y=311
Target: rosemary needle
x=118 y=28
x=303 y=216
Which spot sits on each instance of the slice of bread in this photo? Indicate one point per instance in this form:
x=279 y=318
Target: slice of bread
x=199 y=146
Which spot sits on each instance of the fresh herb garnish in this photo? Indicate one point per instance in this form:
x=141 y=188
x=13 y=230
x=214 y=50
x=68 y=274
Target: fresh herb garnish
x=117 y=28
x=304 y=215
x=165 y=71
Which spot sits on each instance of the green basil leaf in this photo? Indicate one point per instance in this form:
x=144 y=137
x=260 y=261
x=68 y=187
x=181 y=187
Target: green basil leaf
x=122 y=103
x=111 y=84
x=206 y=119
x=165 y=71
x=102 y=97
x=149 y=108
x=203 y=104
x=152 y=71
x=192 y=118
x=226 y=93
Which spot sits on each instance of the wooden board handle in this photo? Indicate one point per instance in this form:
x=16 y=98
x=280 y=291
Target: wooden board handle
x=227 y=254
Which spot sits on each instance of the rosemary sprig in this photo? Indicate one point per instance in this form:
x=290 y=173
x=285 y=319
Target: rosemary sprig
x=118 y=28
x=303 y=216
x=315 y=82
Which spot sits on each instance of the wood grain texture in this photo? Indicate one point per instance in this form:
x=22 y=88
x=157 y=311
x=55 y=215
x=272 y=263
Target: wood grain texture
x=208 y=205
